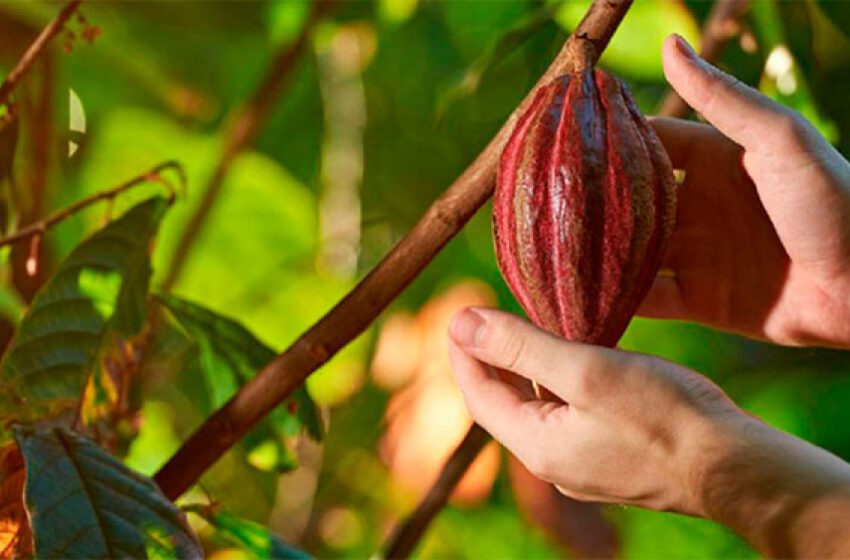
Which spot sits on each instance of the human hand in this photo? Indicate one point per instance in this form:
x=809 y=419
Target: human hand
x=762 y=245
x=637 y=430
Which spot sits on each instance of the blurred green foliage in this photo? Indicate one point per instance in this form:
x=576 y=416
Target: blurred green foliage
x=163 y=79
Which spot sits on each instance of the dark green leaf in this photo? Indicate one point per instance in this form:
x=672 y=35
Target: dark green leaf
x=101 y=287
x=177 y=400
x=230 y=356
x=838 y=11
x=468 y=82
x=84 y=503
x=253 y=537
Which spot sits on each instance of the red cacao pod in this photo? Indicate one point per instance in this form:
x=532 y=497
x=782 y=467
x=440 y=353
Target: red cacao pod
x=584 y=206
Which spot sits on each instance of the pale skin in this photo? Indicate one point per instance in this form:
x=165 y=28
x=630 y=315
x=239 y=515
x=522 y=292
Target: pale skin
x=763 y=249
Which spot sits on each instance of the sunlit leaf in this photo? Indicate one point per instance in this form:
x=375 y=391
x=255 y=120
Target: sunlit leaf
x=84 y=503
x=15 y=533
x=101 y=287
x=286 y=17
x=230 y=355
x=11 y=305
x=635 y=49
x=252 y=537
x=397 y=11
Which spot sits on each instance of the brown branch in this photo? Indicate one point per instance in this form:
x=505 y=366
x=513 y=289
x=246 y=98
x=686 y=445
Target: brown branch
x=721 y=25
x=351 y=316
x=35 y=50
x=404 y=538
x=241 y=131
x=41 y=226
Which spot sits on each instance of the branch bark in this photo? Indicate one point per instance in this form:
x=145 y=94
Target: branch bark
x=42 y=225
x=241 y=131
x=721 y=26
x=404 y=538
x=351 y=316
x=34 y=51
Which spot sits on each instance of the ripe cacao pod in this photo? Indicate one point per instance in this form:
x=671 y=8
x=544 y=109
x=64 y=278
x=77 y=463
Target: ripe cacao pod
x=584 y=206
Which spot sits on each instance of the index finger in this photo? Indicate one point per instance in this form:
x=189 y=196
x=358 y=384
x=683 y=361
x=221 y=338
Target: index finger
x=499 y=408
x=505 y=341
x=735 y=109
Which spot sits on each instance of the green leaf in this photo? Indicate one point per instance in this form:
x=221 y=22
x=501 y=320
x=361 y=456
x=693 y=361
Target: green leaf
x=230 y=355
x=507 y=43
x=11 y=304
x=84 y=503
x=253 y=537
x=101 y=287
x=838 y=12
x=224 y=271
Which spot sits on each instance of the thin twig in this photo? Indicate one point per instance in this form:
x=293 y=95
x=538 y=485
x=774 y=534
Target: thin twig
x=351 y=316
x=721 y=25
x=35 y=50
x=241 y=131
x=41 y=226
x=406 y=535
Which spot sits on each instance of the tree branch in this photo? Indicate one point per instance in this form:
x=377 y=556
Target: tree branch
x=37 y=47
x=39 y=227
x=404 y=538
x=241 y=131
x=721 y=25
x=351 y=316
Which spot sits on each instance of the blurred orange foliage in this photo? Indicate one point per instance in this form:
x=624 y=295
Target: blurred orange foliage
x=15 y=533
x=427 y=417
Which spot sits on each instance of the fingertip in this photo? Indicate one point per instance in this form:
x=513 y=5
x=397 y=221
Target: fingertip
x=676 y=55
x=465 y=368
x=466 y=326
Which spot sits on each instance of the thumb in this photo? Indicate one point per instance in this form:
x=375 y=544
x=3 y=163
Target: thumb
x=738 y=111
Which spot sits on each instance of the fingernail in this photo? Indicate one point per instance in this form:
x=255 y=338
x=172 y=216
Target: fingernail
x=466 y=327
x=686 y=49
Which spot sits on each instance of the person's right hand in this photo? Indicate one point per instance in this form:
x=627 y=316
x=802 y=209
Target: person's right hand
x=762 y=244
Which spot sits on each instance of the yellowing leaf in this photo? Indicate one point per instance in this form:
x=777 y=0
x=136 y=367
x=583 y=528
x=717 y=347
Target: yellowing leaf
x=15 y=533
x=100 y=288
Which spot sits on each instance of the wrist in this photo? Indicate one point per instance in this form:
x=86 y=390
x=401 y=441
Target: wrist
x=771 y=488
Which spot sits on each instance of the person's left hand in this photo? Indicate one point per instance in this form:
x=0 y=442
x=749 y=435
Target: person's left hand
x=636 y=430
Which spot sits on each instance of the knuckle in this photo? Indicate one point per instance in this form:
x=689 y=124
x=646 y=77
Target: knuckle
x=513 y=348
x=591 y=377
x=585 y=383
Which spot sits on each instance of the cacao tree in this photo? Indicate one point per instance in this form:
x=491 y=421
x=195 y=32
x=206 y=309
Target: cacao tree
x=186 y=375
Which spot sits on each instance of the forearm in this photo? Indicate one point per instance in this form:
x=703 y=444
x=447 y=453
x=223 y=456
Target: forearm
x=784 y=496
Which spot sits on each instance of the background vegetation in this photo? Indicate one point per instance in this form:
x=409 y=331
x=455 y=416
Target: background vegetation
x=388 y=103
